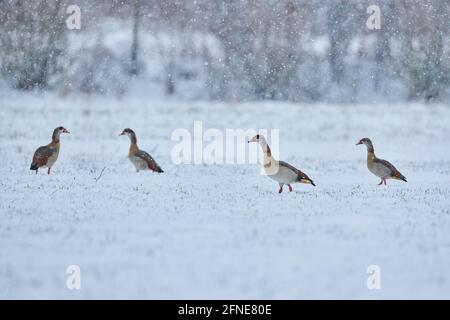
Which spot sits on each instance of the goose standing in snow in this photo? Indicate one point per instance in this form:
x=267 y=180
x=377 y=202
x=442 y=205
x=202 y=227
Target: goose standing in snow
x=381 y=168
x=280 y=171
x=46 y=156
x=139 y=158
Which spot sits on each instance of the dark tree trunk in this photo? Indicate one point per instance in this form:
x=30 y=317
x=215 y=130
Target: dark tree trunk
x=134 y=69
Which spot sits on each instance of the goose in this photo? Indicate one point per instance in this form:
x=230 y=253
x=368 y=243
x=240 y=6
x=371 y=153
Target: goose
x=46 y=156
x=280 y=171
x=381 y=168
x=139 y=158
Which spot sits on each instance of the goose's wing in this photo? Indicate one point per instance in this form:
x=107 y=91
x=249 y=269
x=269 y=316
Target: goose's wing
x=393 y=170
x=152 y=165
x=41 y=156
x=289 y=166
x=301 y=176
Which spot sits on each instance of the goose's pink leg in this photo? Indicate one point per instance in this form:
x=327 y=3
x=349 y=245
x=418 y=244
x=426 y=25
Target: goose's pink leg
x=290 y=188
x=281 y=188
x=381 y=182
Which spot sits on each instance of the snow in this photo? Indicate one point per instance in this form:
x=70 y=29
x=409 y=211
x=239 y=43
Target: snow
x=223 y=231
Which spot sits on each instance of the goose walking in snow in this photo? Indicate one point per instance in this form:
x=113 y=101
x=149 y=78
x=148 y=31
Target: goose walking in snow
x=139 y=158
x=381 y=168
x=46 y=156
x=280 y=171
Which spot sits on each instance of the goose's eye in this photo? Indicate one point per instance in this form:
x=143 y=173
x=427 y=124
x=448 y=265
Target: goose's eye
x=257 y=136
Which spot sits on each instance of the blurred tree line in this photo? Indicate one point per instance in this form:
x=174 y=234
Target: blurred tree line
x=296 y=50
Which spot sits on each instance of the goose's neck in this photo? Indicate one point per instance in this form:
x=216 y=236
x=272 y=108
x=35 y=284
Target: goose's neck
x=370 y=150
x=55 y=137
x=370 y=155
x=54 y=144
x=266 y=149
x=268 y=159
x=133 y=144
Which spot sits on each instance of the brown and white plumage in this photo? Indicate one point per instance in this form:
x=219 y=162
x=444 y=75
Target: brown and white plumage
x=379 y=167
x=280 y=171
x=139 y=158
x=46 y=156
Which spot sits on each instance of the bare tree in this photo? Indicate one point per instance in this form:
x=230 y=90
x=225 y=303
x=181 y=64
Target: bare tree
x=32 y=38
x=134 y=68
x=421 y=27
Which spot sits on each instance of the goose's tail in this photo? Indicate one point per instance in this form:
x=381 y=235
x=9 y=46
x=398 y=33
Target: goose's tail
x=303 y=178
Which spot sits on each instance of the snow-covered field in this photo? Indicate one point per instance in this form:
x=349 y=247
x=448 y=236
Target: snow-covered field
x=223 y=231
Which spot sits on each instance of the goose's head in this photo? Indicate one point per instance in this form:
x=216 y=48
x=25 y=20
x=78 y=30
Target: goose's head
x=258 y=138
x=58 y=131
x=127 y=132
x=62 y=130
x=367 y=143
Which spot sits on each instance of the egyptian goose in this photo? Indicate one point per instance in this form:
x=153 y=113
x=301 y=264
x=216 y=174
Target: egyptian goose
x=141 y=159
x=46 y=156
x=280 y=171
x=381 y=168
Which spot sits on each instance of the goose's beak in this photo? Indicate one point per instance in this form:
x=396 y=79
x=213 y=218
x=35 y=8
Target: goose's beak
x=358 y=143
x=65 y=131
